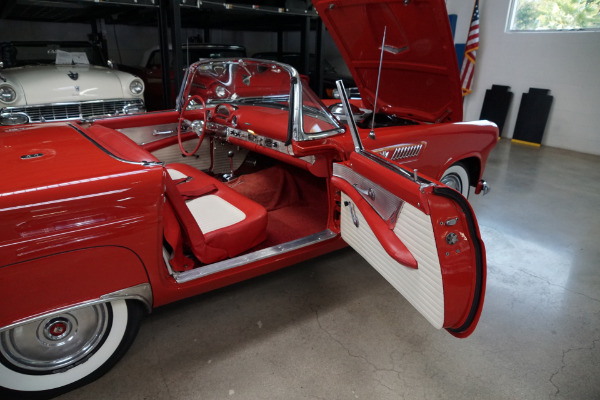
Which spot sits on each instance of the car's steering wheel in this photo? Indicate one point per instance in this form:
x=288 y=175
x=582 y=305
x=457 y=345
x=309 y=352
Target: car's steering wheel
x=197 y=99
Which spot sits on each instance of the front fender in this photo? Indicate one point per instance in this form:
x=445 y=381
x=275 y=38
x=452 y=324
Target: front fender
x=45 y=284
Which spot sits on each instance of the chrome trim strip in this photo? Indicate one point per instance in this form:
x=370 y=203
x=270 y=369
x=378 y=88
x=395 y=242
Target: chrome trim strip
x=225 y=265
x=141 y=292
x=386 y=204
x=395 y=168
x=358 y=146
x=142 y=163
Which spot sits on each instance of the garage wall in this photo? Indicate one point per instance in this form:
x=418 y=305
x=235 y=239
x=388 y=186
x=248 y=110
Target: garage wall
x=567 y=63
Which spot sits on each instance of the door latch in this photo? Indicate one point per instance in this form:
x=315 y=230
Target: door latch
x=352 y=212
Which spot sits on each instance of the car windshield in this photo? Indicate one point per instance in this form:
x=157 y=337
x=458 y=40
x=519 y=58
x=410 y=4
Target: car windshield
x=258 y=84
x=66 y=53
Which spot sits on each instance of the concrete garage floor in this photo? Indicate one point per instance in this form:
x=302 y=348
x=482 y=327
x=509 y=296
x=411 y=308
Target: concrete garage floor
x=332 y=328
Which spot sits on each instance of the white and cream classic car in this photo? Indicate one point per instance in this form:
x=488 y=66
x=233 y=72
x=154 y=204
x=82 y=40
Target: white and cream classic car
x=58 y=81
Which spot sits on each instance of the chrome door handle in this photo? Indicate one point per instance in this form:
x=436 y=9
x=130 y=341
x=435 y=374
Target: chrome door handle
x=352 y=212
x=156 y=132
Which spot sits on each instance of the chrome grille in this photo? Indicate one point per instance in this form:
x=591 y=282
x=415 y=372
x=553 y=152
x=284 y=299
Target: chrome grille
x=75 y=111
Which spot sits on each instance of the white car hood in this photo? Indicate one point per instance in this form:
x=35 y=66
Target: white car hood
x=44 y=84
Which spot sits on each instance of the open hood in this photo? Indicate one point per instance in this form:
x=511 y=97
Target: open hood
x=419 y=76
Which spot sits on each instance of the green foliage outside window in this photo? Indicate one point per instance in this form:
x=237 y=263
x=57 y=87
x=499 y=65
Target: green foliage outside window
x=535 y=15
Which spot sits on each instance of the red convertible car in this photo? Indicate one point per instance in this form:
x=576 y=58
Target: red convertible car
x=103 y=221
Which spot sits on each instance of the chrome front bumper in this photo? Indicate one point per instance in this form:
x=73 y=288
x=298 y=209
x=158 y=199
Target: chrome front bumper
x=482 y=187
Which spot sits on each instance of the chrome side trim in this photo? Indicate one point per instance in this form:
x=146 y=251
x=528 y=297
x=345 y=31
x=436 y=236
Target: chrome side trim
x=141 y=292
x=225 y=265
x=386 y=204
x=142 y=163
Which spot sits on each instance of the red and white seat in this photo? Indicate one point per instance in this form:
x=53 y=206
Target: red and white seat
x=201 y=213
x=217 y=222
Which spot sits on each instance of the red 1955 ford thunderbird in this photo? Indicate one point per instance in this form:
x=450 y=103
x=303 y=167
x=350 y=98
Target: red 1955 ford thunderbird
x=101 y=221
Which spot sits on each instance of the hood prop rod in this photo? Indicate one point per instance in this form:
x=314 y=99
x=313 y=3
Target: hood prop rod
x=372 y=133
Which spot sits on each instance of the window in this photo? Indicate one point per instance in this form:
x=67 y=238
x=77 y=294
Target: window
x=554 y=15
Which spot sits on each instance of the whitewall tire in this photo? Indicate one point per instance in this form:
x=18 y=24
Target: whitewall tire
x=457 y=178
x=55 y=354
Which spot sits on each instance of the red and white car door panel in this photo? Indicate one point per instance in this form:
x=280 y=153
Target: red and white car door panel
x=422 y=237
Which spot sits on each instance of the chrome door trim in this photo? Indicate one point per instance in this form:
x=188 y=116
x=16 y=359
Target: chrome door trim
x=225 y=265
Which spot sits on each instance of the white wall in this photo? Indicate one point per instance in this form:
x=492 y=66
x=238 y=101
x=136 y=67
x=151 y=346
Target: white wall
x=567 y=63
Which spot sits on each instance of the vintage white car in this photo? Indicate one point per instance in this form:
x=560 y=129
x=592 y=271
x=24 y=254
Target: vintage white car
x=58 y=81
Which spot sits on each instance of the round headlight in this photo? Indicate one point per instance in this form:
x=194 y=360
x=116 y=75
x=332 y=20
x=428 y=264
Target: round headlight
x=136 y=86
x=7 y=94
x=220 y=91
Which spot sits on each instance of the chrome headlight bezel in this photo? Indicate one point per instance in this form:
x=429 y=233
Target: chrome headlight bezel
x=8 y=94
x=136 y=87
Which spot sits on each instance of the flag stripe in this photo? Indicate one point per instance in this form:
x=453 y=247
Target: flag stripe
x=471 y=47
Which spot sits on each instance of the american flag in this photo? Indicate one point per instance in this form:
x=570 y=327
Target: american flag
x=468 y=66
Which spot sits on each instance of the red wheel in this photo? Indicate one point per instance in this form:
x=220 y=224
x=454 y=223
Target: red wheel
x=197 y=99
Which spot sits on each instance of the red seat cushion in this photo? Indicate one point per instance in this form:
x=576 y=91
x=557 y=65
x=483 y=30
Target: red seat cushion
x=230 y=223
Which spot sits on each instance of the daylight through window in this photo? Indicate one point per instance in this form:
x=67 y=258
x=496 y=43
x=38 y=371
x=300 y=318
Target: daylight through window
x=554 y=15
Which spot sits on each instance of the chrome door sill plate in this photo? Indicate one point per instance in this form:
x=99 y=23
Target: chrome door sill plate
x=224 y=265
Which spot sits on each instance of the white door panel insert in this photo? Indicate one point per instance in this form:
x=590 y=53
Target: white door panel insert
x=423 y=286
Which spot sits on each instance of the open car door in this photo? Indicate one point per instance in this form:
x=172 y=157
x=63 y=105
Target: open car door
x=420 y=235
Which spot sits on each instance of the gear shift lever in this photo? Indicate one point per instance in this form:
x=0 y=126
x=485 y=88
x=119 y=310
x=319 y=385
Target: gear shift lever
x=228 y=177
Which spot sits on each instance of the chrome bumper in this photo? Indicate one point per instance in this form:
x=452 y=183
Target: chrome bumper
x=482 y=186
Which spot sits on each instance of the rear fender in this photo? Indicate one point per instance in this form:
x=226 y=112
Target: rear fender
x=46 y=284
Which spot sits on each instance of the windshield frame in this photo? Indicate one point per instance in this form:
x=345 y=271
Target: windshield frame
x=295 y=122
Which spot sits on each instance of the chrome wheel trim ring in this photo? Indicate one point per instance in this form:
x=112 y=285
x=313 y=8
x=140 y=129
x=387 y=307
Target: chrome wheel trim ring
x=453 y=180
x=58 y=342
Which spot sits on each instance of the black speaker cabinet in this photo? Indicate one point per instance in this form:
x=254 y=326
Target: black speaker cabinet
x=496 y=104
x=533 y=116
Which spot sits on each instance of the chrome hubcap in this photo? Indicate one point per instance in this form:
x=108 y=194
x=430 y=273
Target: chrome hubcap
x=453 y=181
x=56 y=342
x=57 y=328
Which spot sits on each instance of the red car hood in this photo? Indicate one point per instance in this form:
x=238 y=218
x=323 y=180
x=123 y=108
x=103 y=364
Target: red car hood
x=419 y=77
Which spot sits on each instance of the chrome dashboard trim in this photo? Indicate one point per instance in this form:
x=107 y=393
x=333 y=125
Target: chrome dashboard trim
x=141 y=292
x=225 y=265
x=258 y=140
